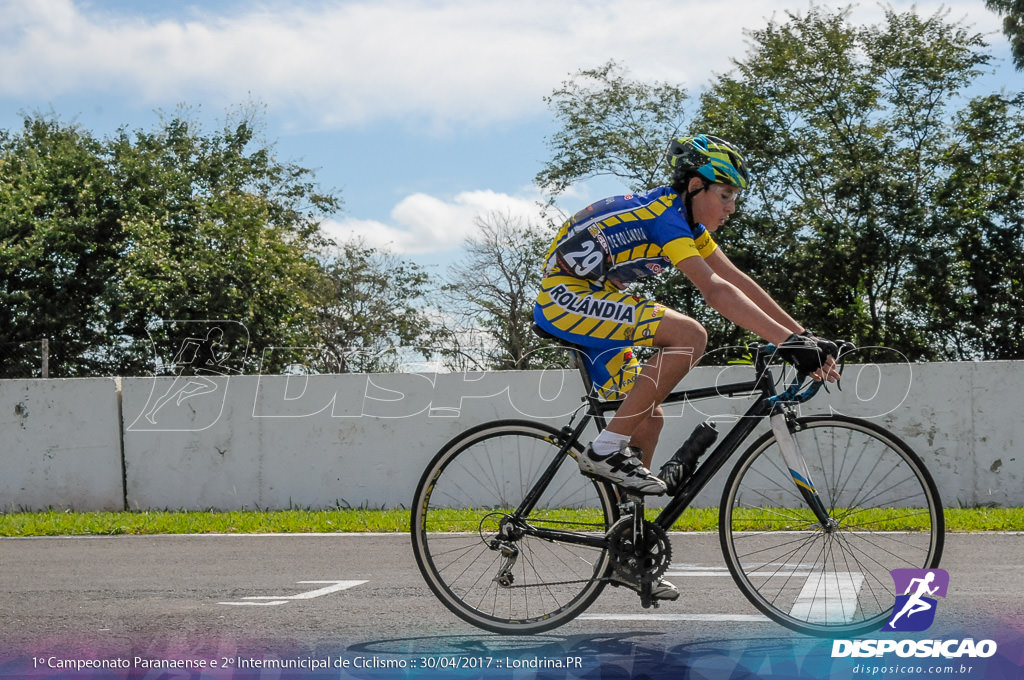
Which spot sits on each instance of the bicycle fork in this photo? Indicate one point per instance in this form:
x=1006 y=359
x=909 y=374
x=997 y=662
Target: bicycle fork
x=783 y=426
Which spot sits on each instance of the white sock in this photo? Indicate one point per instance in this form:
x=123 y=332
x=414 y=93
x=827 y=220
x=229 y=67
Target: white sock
x=608 y=442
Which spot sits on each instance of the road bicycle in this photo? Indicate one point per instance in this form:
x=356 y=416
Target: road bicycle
x=815 y=513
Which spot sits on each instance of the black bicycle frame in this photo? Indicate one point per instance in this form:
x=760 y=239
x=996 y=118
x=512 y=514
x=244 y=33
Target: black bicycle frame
x=714 y=462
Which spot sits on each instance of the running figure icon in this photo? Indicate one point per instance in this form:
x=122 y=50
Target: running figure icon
x=197 y=360
x=916 y=602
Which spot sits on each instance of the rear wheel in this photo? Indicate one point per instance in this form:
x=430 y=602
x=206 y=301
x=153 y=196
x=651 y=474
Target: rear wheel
x=885 y=514
x=477 y=553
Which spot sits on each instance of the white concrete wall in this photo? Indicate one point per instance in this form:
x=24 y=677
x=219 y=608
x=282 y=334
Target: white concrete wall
x=363 y=440
x=322 y=441
x=61 y=445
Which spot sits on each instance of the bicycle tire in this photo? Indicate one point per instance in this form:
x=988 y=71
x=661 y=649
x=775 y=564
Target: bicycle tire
x=468 y=488
x=837 y=583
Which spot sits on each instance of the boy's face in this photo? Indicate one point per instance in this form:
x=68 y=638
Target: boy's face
x=713 y=206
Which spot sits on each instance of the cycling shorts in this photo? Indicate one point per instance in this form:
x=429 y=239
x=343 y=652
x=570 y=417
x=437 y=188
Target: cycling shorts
x=605 y=322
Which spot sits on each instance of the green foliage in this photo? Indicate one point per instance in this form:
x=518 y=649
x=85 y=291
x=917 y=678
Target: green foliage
x=885 y=204
x=370 y=313
x=848 y=131
x=103 y=238
x=60 y=235
x=611 y=126
x=1012 y=12
x=981 y=210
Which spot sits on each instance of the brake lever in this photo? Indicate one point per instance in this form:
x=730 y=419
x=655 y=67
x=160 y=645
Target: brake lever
x=845 y=347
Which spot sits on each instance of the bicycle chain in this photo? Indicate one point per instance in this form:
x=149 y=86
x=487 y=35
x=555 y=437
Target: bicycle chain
x=624 y=562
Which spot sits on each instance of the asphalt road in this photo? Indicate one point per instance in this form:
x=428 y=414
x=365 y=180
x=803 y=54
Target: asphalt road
x=361 y=596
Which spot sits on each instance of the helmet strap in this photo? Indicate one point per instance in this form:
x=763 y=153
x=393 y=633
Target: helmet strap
x=690 y=193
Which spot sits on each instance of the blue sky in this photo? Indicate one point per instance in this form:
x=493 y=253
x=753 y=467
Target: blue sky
x=423 y=113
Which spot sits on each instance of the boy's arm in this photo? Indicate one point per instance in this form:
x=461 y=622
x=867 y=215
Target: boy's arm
x=732 y=302
x=723 y=266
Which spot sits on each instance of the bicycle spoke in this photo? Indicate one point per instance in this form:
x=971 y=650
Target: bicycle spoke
x=884 y=514
x=506 y=579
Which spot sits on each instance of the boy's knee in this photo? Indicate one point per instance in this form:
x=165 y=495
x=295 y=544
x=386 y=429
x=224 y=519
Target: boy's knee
x=684 y=333
x=698 y=335
x=657 y=420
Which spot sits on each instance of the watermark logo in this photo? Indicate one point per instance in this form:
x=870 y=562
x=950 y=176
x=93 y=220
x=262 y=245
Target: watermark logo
x=194 y=360
x=914 y=611
x=916 y=593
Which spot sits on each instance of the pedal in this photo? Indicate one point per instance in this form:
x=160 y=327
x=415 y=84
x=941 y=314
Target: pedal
x=648 y=602
x=633 y=498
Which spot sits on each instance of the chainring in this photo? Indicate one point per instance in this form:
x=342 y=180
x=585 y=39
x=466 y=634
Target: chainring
x=656 y=557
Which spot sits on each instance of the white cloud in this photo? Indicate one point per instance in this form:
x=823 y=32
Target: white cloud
x=348 y=62
x=426 y=224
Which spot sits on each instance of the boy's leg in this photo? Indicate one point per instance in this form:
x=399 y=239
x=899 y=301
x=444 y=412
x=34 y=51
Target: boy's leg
x=596 y=316
x=682 y=341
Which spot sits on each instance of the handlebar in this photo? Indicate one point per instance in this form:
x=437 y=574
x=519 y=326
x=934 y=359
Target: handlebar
x=767 y=353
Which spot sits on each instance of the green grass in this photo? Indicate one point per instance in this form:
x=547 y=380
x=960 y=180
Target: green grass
x=984 y=519
x=57 y=523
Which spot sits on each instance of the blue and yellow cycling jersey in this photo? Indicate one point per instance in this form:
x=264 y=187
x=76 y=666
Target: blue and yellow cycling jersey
x=596 y=254
x=625 y=238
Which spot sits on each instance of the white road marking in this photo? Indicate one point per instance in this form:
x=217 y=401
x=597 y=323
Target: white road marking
x=271 y=600
x=824 y=597
x=829 y=598
x=687 y=571
x=706 y=618
x=695 y=570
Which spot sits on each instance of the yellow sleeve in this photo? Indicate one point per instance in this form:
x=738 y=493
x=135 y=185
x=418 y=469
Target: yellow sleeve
x=681 y=248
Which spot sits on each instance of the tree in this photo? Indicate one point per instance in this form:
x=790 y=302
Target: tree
x=848 y=130
x=611 y=126
x=371 y=311
x=491 y=294
x=885 y=203
x=979 y=315
x=61 y=234
x=216 y=228
x=1012 y=12
x=105 y=238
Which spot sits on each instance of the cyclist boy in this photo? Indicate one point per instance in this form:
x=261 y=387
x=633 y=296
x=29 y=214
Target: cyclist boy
x=602 y=249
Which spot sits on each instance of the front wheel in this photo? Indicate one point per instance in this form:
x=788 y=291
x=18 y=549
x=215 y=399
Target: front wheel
x=472 y=536
x=884 y=514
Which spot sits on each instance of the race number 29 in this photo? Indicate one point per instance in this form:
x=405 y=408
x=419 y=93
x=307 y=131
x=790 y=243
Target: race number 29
x=585 y=254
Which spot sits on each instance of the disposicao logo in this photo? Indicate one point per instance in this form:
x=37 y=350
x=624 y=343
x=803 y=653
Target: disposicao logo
x=914 y=611
x=915 y=607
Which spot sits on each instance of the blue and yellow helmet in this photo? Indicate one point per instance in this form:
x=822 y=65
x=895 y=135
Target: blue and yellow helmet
x=714 y=159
